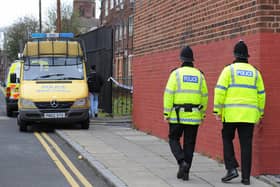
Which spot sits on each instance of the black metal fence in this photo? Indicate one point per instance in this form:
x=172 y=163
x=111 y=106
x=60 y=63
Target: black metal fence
x=99 y=50
x=122 y=96
x=116 y=95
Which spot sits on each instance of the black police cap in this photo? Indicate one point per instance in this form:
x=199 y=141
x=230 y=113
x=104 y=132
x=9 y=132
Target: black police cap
x=241 y=50
x=186 y=54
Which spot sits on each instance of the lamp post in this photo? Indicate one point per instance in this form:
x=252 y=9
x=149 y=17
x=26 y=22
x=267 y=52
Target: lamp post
x=58 y=19
x=40 y=16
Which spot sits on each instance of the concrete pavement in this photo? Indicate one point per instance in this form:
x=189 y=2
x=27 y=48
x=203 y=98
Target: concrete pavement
x=127 y=157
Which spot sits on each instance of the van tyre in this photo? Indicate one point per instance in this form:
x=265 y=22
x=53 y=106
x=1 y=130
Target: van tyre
x=23 y=128
x=85 y=124
x=22 y=125
x=9 y=112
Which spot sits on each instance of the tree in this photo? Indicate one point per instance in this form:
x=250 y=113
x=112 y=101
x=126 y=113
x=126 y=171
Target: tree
x=69 y=20
x=18 y=34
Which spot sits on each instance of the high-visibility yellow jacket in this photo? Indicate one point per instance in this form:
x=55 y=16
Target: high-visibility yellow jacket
x=239 y=94
x=186 y=85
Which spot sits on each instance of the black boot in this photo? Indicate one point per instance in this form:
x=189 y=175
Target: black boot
x=245 y=181
x=186 y=176
x=231 y=173
x=183 y=167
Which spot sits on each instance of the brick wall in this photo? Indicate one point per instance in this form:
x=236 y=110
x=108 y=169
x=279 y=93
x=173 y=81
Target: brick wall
x=117 y=13
x=268 y=137
x=212 y=29
x=168 y=24
x=118 y=17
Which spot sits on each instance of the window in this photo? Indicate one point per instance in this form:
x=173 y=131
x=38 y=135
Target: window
x=124 y=30
x=121 y=4
x=93 y=11
x=106 y=7
x=117 y=33
x=111 y=4
x=125 y=71
x=117 y=2
x=81 y=11
x=129 y=71
x=132 y=3
x=120 y=69
x=116 y=67
x=121 y=32
x=130 y=25
x=53 y=68
x=129 y=65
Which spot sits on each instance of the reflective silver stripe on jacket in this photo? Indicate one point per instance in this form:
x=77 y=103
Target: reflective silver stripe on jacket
x=189 y=91
x=232 y=74
x=186 y=120
x=238 y=105
x=221 y=87
x=256 y=79
x=242 y=86
x=169 y=91
x=234 y=85
x=200 y=85
x=167 y=110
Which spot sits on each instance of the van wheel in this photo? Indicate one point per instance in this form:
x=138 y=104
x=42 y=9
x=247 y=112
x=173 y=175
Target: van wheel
x=23 y=128
x=9 y=112
x=85 y=124
x=22 y=125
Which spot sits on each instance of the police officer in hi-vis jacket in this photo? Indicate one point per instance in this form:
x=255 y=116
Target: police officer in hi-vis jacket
x=239 y=102
x=185 y=102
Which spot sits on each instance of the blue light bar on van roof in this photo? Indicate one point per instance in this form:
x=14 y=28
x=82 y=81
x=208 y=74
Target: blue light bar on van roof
x=52 y=35
x=66 y=35
x=38 y=35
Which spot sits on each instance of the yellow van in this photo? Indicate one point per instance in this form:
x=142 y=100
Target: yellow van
x=53 y=82
x=12 y=87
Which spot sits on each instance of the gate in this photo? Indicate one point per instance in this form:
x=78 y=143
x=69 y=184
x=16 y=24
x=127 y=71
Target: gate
x=99 y=51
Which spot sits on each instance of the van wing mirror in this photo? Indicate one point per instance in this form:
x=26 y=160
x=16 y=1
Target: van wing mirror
x=3 y=84
x=13 y=78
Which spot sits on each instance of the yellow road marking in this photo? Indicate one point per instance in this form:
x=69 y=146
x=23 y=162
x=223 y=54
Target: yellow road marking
x=60 y=166
x=79 y=175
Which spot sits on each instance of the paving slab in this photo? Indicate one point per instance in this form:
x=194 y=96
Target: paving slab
x=127 y=157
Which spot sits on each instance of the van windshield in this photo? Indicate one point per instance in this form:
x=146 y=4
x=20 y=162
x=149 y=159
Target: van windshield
x=53 y=68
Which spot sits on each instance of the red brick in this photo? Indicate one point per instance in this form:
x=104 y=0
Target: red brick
x=151 y=73
x=212 y=28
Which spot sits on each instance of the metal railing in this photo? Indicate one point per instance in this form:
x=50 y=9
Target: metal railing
x=122 y=96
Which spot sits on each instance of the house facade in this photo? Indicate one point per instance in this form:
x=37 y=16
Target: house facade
x=119 y=14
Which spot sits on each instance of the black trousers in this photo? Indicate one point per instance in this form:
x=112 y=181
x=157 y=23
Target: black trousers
x=245 y=134
x=175 y=133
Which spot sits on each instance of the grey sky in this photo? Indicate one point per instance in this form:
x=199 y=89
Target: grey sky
x=12 y=10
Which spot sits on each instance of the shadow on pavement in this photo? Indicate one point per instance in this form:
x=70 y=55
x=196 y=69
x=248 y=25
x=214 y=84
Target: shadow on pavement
x=51 y=127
